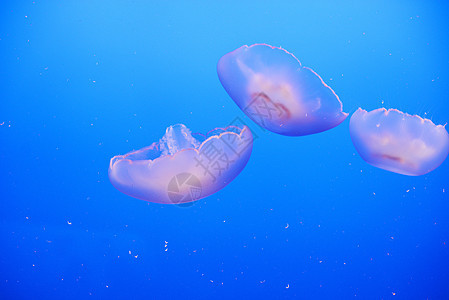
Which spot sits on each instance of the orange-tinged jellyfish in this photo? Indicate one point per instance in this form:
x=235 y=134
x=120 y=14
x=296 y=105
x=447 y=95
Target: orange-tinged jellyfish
x=272 y=87
x=398 y=142
x=183 y=167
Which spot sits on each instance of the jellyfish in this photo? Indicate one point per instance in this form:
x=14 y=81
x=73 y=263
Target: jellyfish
x=182 y=167
x=398 y=142
x=272 y=87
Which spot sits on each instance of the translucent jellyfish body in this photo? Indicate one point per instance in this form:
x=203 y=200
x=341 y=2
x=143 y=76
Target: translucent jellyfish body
x=398 y=142
x=274 y=90
x=182 y=167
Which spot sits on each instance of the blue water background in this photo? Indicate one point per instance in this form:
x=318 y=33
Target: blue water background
x=82 y=81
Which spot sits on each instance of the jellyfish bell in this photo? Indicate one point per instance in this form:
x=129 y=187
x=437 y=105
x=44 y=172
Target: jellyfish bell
x=182 y=167
x=398 y=142
x=272 y=87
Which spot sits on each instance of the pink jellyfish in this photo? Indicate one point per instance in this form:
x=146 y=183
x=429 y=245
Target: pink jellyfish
x=182 y=167
x=272 y=87
x=398 y=142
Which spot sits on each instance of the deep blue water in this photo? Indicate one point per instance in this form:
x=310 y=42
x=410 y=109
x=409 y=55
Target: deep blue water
x=82 y=81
